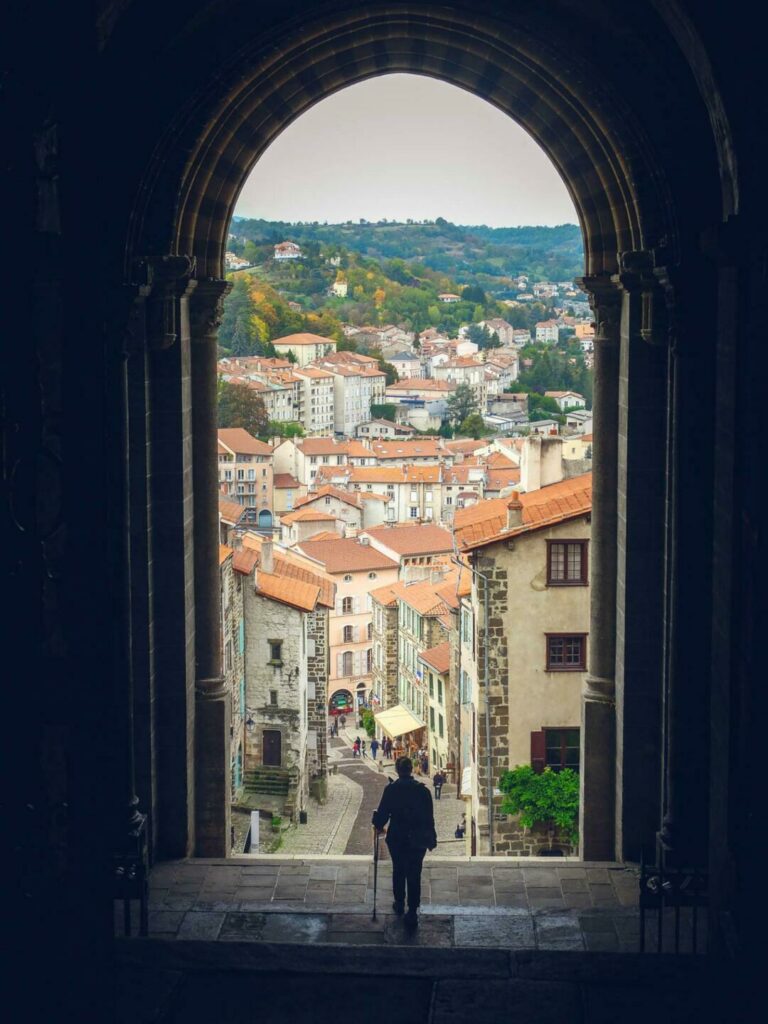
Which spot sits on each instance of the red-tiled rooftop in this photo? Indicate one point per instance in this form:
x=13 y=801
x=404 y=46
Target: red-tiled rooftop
x=416 y=539
x=487 y=521
x=346 y=555
x=438 y=658
x=241 y=442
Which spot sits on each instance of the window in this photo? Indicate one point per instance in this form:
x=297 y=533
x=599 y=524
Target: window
x=251 y=474
x=432 y=719
x=348 y=578
x=567 y=563
x=561 y=749
x=275 y=652
x=328 y=501
x=273 y=697
x=440 y=726
x=449 y=501
x=346 y=663
x=439 y=691
x=431 y=684
x=369 y=660
x=371 y=575
x=370 y=631
x=414 y=513
x=566 y=652
x=346 y=606
x=347 y=637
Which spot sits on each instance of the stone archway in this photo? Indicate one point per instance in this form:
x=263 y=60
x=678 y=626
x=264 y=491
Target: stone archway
x=630 y=203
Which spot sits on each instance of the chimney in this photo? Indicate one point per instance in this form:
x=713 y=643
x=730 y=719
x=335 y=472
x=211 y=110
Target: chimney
x=267 y=561
x=365 y=540
x=514 y=511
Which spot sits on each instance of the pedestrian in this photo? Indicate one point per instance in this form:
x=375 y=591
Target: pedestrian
x=362 y=748
x=356 y=747
x=407 y=805
x=424 y=763
x=438 y=780
x=343 y=721
x=374 y=748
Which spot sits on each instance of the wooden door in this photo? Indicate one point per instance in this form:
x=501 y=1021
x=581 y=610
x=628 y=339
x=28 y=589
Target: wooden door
x=272 y=748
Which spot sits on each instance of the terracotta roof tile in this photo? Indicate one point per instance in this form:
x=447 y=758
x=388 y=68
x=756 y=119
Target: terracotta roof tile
x=244 y=560
x=285 y=480
x=328 y=490
x=292 y=565
x=307 y=515
x=224 y=553
x=487 y=521
x=293 y=592
x=407 y=539
x=346 y=555
x=303 y=339
x=239 y=440
x=438 y=658
x=230 y=512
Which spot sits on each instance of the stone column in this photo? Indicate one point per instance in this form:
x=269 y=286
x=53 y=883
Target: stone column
x=598 y=718
x=172 y=570
x=213 y=711
x=687 y=663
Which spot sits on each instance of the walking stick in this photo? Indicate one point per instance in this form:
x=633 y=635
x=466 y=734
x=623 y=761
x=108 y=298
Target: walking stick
x=375 y=869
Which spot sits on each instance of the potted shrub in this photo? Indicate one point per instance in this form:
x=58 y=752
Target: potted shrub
x=277 y=823
x=547 y=798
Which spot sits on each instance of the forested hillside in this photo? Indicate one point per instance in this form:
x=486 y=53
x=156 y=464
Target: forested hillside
x=488 y=257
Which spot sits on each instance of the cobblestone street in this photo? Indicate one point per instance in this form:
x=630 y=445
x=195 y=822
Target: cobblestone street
x=342 y=825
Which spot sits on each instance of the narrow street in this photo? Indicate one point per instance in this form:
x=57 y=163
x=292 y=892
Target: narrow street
x=372 y=784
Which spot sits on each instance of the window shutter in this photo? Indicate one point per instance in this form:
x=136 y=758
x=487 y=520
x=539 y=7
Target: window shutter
x=356 y=604
x=339 y=665
x=339 y=605
x=538 y=751
x=356 y=663
x=355 y=634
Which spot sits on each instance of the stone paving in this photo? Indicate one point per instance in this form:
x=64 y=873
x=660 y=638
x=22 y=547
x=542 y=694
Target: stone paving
x=574 y=906
x=343 y=824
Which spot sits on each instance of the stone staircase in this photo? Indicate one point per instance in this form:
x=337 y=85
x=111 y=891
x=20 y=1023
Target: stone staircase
x=268 y=780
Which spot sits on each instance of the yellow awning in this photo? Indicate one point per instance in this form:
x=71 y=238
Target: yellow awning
x=398 y=721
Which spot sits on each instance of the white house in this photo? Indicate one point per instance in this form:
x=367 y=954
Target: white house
x=287 y=251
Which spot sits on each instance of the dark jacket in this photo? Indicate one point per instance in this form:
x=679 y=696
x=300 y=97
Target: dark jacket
x=407 y=805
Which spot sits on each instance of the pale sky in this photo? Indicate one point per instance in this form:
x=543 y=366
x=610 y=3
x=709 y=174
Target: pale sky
x=402 y=146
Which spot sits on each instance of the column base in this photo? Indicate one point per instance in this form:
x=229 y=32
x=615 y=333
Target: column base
x=597 y=803
x=212 y=773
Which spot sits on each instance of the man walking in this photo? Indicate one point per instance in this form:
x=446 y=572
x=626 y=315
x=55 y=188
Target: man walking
x=437 y=781
x=407 y=806
x=374 y=748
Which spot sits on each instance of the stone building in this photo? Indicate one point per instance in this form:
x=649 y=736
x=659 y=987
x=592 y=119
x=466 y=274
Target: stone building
x=234 y=567
x=530 y=614
x=286 y=606
x=385 y=661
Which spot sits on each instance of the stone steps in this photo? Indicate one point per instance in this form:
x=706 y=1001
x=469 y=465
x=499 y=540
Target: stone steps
x=196 y=982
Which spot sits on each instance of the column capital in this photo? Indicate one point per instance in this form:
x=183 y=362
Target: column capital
x=206 y=308
x=605 y=300
x=651 y=275
x=169 y=279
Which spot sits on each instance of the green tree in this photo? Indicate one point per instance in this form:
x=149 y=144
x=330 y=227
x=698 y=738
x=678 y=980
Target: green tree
x=241 y=406
x=280 y=429
x=445 y=430
x=546 y=798
x=346 y=345
x=473 y=426
x=291 y=356
x=542 y=408
x=461 y=403
x=384 y=411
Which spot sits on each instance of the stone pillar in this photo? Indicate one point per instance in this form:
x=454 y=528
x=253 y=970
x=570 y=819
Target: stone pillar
x=642 y=440
x=687 y=663
x=213 y=709
x=598 y=718
x=172 y=571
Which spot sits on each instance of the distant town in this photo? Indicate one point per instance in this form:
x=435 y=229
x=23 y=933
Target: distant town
x=405 y=515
